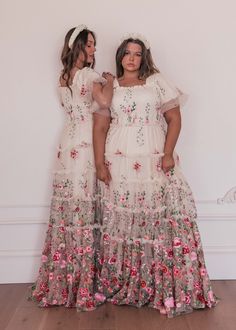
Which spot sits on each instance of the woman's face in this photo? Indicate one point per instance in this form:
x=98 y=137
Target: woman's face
x=89 y=49
x=132 y=58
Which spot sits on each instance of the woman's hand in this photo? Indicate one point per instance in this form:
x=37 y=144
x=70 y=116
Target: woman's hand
x=103 y=174
x=168 y=162
x=108 y=76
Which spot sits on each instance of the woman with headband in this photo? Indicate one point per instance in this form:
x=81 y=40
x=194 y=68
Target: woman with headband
x=68 y=271
x=151 y=251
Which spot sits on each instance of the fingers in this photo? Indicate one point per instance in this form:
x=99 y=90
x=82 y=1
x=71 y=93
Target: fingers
x=104 y=176
x=108 y=75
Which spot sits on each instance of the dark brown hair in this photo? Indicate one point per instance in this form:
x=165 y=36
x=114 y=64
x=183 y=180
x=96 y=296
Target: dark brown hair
x=147 y=66
x=69 y=56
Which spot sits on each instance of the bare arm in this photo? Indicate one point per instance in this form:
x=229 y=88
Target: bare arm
x=173 y=120
x=100 y=127
x=103 y=94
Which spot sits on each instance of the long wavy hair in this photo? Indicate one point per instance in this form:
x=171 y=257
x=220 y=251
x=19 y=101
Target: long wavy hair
x=147 y=67
x=69 y=56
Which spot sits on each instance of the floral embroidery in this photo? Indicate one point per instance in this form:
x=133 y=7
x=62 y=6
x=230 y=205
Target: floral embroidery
x=136 y=166
x=83 y=90
x=68 y=270
x=151 y=252
x=74 y=153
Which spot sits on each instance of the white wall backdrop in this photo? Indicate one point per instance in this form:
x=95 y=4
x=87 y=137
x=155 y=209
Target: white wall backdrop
x=193 y=43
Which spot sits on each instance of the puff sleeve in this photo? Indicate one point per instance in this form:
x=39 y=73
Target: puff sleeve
x=95 y=108
x=169 y=95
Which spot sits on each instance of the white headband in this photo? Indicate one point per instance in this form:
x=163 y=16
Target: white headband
x=136 y=36
x=75 y=33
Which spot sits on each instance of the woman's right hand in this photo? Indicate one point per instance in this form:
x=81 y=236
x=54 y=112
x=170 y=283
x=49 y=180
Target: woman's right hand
x=103 y=173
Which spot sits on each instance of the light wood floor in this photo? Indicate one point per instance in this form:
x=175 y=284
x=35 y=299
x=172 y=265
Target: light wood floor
x=16 y=313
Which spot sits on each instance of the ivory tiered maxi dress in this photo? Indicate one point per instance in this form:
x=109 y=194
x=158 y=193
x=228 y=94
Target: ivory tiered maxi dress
x=151 y=252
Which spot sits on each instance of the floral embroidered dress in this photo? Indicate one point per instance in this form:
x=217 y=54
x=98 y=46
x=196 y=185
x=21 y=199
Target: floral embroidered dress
x=67 y=273
x=151 y=252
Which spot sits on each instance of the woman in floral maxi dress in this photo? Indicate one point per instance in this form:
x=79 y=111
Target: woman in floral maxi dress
x=151 y=252
x=68 y=269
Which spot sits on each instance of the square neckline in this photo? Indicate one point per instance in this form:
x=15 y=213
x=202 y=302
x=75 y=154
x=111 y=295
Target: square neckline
x=134 y=86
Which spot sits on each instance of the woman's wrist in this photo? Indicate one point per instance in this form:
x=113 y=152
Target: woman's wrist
x=100 y=164
x=168 y=153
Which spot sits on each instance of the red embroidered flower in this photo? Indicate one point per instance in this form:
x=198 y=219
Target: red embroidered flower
x=83 y=292
x=186 y=250
x=143 y=284
x=137 y=166
x=90 y=304
x=74 y=153
x=83 y=90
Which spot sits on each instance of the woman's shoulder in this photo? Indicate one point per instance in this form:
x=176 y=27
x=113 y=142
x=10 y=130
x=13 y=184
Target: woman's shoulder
x=154 y=78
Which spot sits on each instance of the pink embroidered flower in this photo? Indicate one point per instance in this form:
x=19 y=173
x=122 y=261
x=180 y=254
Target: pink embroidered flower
x=51 y=276
x=136 y=166
x=56 y=256
x=83 y=292
x=176 y=271
x=169 y=302
x=43 y=286
x=203 y=271
x=177 y=241
x=64 y=293
x=69 y=278
x=133 y=272
x=197 y=285
x=70 y=258
x=74 y=153
x=62 y=229
x=100 y=297
x=89 y=249
x=149 y=290
x=187 y=299
x=193 y=256
x=59 y=278
x=112 y=260
x=79 y=251
x=63 y=264
x=106 y=237
x=44 y=258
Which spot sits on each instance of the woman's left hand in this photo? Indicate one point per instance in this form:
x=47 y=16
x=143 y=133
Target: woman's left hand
x=168 y=163
x=108 y=76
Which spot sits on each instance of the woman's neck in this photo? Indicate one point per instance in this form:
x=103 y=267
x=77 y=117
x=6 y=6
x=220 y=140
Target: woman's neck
x=130 y=76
